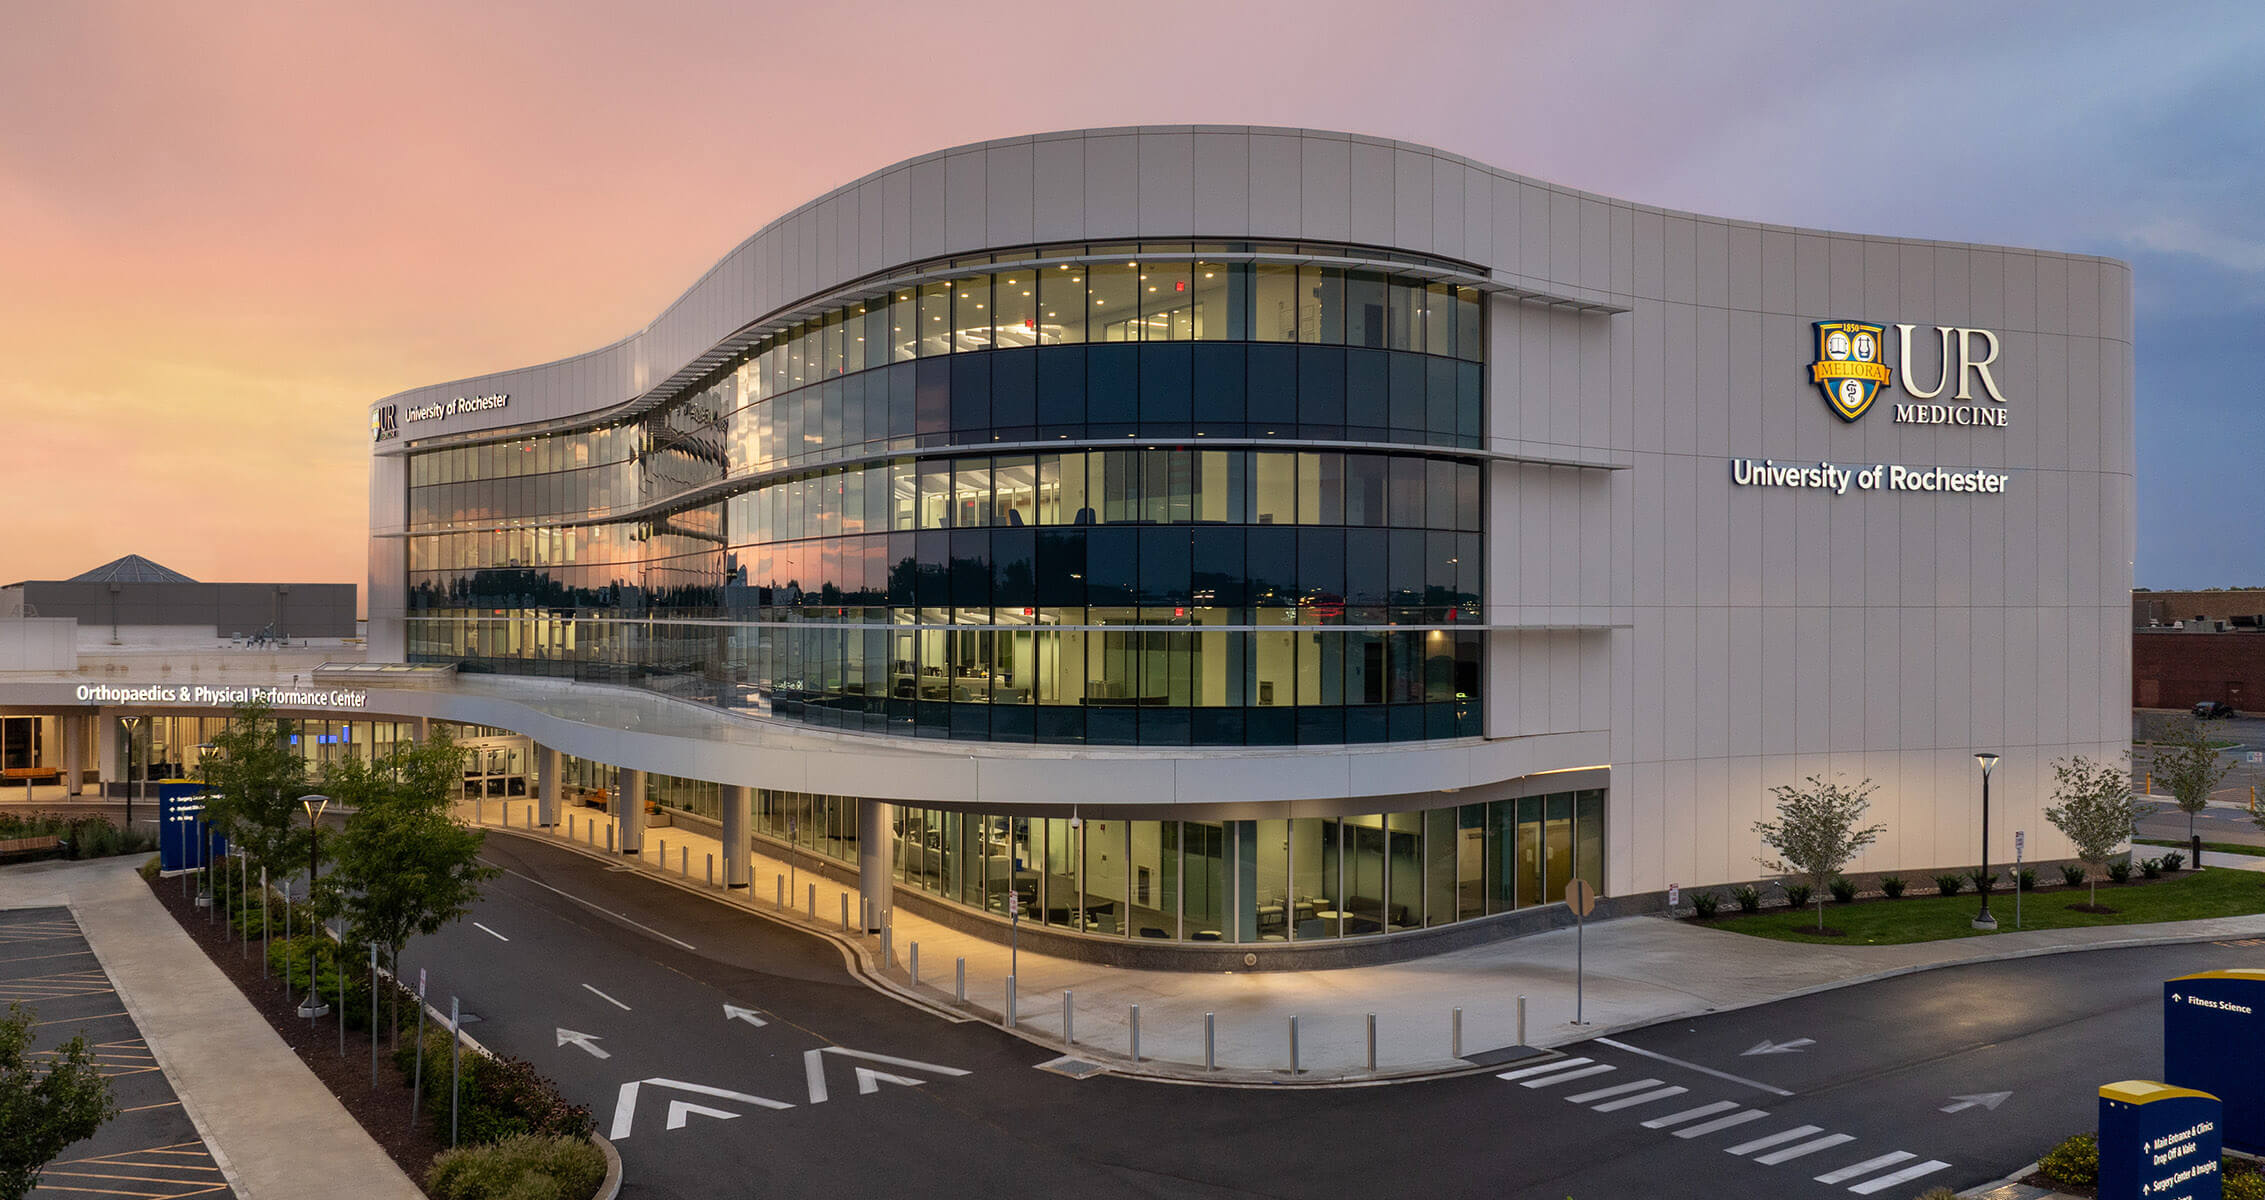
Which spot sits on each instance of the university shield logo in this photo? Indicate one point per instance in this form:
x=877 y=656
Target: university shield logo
x=1849 y=366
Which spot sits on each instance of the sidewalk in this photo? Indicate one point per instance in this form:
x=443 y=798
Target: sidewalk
x=276 y=1132
x=1640 y=970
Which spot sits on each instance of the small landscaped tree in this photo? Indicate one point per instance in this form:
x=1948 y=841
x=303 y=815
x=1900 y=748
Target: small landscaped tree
x=402 y=867
x=2191 y=768
x=44 y=1108
x=255 y=778
x=2096 y=811
x=1815 y=834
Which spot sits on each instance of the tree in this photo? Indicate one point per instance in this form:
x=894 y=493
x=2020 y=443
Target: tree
x=42 y=1111
x=2096 y=812
x=2191 y=768
x=402 y=867
x=254 y=781
x=1815 y=833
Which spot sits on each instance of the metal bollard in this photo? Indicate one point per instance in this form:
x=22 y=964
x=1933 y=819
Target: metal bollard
x=1135 y=1017
x=845 y=912
x=813 y=902
x=711 y=870
x=1069 y=1030
x=864 y=913
x=1010 y=1002
x=1210 y=1044
x=1455 y=1035
x=959 y=981
x=1521 y=1020
x=915 y=960
x=1293 y=1044
x=662 y=861
x=609 y=839
x=1372 y=1043
x=782 y=893
x=684 y=861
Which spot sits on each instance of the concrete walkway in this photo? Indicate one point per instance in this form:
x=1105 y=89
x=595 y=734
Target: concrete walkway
x=1640 y=970
x=275 y=1130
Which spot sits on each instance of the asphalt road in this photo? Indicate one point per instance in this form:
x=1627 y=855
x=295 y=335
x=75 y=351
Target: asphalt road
x=722 y=1106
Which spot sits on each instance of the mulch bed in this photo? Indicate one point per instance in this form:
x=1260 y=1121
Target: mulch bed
x=383 y=1112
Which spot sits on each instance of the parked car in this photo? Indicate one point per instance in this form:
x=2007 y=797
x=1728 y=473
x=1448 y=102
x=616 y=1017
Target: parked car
x=2209 y=709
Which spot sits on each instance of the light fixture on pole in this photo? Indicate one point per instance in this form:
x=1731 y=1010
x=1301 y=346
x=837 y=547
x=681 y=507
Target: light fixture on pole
x=315 y=804
x=1983 y=919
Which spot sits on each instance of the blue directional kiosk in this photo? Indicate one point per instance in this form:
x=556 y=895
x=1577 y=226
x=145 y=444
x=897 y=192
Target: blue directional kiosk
x=2158 y=1142
x=183 y=837
x=2214 y=1041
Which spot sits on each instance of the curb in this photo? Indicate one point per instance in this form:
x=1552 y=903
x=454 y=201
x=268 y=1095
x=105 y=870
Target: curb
x=611 y=1188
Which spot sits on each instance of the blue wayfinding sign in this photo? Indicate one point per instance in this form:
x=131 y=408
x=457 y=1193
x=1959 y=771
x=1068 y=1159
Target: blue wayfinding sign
x=181 y=827
x=2158 y=1142
x=2214 y=1041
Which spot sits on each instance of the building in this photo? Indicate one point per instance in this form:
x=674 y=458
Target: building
x=1264 y=547
x=133 y=591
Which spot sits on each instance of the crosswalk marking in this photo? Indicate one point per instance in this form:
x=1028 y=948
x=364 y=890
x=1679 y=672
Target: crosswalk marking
x=1690 y=1114
x=1545 y=1068
x=1737 y=1118
x=1905 y=1175
x=1763 y=1143
x=1866 y=1167
x=1621 y=1089
x=1641 y=1098
x=1790 y=1153
x=1564 y=1076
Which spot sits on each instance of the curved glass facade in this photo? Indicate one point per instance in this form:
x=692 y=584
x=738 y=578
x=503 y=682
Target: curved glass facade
x=1124 y=498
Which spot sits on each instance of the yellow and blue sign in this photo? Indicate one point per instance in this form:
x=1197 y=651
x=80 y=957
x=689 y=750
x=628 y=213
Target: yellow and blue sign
x=2158 y=1142
x=2214 y=1041
x=1851 y=365
x=183 y=836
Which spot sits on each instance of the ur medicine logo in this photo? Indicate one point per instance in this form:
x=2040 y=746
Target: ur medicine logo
x=1848 y=366
x=384 y=423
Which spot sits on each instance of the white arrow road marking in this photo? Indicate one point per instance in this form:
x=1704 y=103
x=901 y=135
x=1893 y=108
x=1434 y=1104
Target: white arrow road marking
x=602 y=996
x=814 y=1070
x=869 y=1080
x=814 y=1075
x=1988 y=1100
x=584 y=1040
x=1766 y=1046
x=490 y=932
x=680 y=1109
x=733 y=1012
x=625 y=1106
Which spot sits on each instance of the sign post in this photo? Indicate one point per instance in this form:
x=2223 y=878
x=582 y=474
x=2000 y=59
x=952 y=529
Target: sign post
x=2158 y=1142
x=2214 y=1041
x=1582 y=899
x=2020 y=839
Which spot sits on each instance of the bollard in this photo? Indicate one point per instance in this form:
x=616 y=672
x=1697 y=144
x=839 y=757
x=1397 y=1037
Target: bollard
x=845 y=912
x=529 y=823
x=915 y=959
x=888 y=955
x=959 y=981
x=662 y=861
x=684 y=861
x=1293 y=1044
x=609 y=839
x=1372 y=1043
x=1069 y=1030
x=1135 y=1022
x=1521 y=1020
x=813 y=902
x=570 y=827
x=1010 y=1011
x=711 y=870
x=782 y=893
x=1455 y=1035
x=1210 y=1044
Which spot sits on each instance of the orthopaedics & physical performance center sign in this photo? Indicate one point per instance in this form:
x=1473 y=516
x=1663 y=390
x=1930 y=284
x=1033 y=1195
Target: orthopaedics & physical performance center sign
x=202 y=695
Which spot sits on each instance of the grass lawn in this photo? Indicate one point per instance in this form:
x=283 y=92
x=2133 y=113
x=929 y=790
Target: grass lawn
x=2214 y=847
x=2185 y=897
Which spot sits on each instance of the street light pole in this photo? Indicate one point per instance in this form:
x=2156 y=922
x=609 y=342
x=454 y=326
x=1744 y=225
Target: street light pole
x=314 y=805
x=1984 y=920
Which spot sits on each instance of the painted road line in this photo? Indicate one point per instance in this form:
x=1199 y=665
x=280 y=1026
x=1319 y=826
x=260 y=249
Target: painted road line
x=1690 y=1114
x=583 y=1040
x=814 y=1074
x=733 y=1012
x=1720 y=1123
x=1790 y=1153
x=490 y=932
x=1564 y=1076
x=1905 y=1175
x=1562 y=1064
x=1692 y=1066
x=1640 y=1098
x=608 y=999
x=1766 y=1046
x=1866 y=1167
x=1616 y=1090
x=597 y=908
x=625 y=1106
x=910 y=1064
x=1764 y=1143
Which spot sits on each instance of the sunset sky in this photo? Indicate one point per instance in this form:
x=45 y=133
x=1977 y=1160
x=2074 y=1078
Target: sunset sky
x=225 y=229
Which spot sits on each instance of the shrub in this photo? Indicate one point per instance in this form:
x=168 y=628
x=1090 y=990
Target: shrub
x=2174 y=861
x=2073 y=1163
x=518 y=1168
x=2119 y=872
x=1843 y=889
x=1892 y=886
x=148 y=870
x=1797 y=894
x=1704 y=904
x=2241 y=1180
x=2152 y=868
x=503 y=1097
x=2025 y=879
x=1747 y=897
x=1950 y=885
x=1984 y=882
x=1938 y=1193
x=2072 y=874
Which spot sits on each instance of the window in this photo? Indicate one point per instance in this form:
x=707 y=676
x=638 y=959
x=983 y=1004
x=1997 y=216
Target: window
x=1113 y=307
x=935 y=324
x=1061 y=304
x=1015 y=305
x=971 y=313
